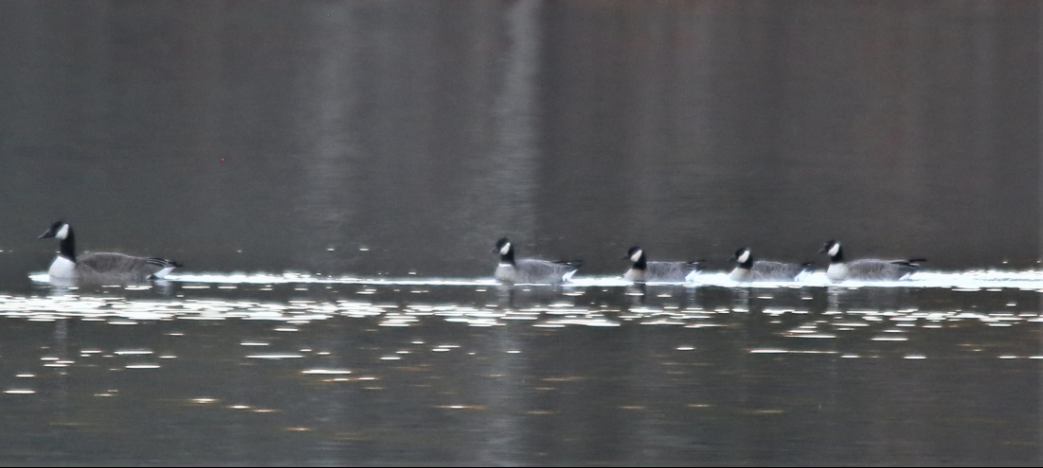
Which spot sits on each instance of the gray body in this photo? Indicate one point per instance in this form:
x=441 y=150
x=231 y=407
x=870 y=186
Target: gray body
x=528 y=270
x=662 y=271
x=871 y=270
x=767 y=271
x=105 y=266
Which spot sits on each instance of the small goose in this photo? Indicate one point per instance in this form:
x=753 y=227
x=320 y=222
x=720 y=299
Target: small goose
x=866 y=269
x=529 y=270
x=643 y=270
x=760 y=270
x=101 y=266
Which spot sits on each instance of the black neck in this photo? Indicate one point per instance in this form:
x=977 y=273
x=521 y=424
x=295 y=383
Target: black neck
x=68 y=245
x=508 y=257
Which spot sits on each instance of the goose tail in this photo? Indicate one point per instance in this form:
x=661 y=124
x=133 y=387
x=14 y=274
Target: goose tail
x=573 y=268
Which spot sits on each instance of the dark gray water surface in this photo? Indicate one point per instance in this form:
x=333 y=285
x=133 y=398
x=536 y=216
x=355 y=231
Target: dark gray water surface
x=377 y=141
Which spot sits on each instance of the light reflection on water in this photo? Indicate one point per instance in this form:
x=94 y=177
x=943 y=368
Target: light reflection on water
x=496 y=305
x=310 y=356
x=589 y=302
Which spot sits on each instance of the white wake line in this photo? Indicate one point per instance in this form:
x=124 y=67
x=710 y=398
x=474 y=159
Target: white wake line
x=966 y=280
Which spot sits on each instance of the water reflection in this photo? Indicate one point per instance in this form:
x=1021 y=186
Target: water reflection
x=590 y=302
x=329 y=367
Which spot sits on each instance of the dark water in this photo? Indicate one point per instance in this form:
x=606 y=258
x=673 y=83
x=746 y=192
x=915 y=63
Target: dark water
x=376 y=140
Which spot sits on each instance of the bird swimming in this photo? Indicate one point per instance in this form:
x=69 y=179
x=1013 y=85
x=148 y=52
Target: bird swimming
x=866 y=269
x=530 y=270
x=749 y=269
x=643 y=270
x=101 y=266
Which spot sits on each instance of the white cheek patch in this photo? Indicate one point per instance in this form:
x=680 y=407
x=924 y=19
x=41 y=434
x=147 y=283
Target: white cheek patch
x=506 y=248
x=637 y=256
x=745 y=256
x=63 y=232
x=834 y=250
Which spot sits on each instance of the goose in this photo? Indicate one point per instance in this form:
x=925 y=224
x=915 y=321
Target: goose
x=866 y=269
x=101 y=266
x=529 y=270
x=643 y=270
x=749 y=269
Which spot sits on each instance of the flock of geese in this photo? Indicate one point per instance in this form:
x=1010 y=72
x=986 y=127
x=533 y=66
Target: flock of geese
x=528 y=270
x=105 y=266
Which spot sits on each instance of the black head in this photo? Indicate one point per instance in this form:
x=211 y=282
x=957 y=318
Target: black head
x=504 y=247
x=744 y=256
x=832 y=248
x=637 y=257
x=59 y=230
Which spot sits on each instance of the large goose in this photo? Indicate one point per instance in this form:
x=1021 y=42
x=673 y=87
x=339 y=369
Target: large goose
x=643 y=270
x=749 y=269
x=101 y=266
x=529 y=270
x=866 y=269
